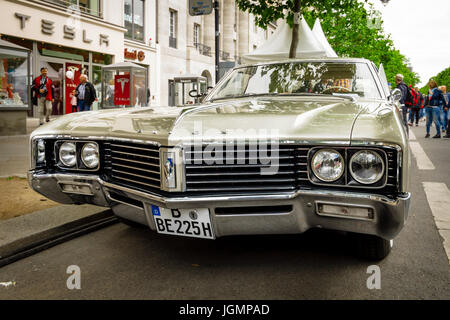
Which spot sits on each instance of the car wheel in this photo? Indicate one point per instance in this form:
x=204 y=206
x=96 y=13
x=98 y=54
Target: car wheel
x=130 y=223
x=371 y=247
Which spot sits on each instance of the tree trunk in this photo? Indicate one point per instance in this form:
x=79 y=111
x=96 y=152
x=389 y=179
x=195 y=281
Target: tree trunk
x=294 y=42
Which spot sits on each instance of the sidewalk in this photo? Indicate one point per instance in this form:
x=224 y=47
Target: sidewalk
x=38 y=226
x=14 y=152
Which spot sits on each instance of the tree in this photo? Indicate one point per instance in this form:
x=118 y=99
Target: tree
x=442 y=79
x=351 y=29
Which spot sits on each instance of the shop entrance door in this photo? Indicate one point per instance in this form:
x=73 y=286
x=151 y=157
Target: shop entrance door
x=56 y=73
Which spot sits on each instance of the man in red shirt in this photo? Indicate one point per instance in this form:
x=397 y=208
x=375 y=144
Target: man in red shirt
x=43 y=85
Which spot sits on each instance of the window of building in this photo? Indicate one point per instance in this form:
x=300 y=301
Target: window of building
x=134 y=19
x=173 y=28
x=86 y=6
x=196 y=34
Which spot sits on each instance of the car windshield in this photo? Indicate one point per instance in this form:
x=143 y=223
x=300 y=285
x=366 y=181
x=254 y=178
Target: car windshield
x=300 y=78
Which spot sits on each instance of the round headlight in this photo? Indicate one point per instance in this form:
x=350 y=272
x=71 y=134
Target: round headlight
x=366 y=167
x=327 y=165
x=40 y=151
x=68 y=154
x=90 y=155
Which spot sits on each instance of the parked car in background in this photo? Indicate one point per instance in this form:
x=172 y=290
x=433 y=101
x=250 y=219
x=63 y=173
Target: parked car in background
x=275 y=148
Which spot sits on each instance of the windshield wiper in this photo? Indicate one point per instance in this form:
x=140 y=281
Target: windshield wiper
x=286 y=94
x=246 y=95
x=318 y=95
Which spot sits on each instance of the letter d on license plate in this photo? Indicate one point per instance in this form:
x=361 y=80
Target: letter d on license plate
x=183 y=222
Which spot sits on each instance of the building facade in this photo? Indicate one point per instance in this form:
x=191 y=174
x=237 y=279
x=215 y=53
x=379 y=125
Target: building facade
x=160 y=35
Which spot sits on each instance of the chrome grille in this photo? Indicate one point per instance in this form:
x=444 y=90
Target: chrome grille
x=137 y=165
x=239 y=169
x=133 y=164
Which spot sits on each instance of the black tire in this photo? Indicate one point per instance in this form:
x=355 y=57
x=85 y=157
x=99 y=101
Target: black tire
x=130 y=223
x=371 y=247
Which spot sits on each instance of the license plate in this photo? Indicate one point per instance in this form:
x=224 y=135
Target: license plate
x=183 y=222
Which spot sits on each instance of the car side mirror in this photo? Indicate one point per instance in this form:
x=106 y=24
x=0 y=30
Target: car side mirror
x=396 y=95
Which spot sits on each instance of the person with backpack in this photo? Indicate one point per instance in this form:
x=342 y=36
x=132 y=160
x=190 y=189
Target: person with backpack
x=415 y=109
x=44 y=91
x=436 y=99
x=404 y=90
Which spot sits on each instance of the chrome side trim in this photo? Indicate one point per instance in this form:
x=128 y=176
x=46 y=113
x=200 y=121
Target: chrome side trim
x=243 y=198
x=102 y=138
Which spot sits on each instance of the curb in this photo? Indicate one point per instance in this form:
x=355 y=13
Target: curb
x=34 y=243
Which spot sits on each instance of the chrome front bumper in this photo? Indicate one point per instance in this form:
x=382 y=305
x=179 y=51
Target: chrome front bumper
x=389 y=215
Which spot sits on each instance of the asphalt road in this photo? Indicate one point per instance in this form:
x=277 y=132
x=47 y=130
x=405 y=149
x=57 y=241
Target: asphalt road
x=121 y=262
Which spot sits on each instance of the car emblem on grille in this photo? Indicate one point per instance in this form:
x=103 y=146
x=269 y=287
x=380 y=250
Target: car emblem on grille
x=169 y=172
x=171 y=169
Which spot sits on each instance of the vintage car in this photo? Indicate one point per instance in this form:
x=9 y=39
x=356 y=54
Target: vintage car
x=274 y=148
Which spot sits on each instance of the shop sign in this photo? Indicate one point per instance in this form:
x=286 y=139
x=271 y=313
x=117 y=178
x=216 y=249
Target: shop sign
x=48 y=28
x=122 y=89
x=71 y=83
x=133 y=55
x=200 y=7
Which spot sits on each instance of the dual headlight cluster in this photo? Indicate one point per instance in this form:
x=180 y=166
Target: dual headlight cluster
x=82 y=155
x=365 y=166
x=71 y=153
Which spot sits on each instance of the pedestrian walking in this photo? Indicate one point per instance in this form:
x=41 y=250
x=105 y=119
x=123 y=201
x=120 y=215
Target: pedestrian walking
x=444 y=108
x=404 y=90
x=44 y=92
x=433 y=111
x=415 y=109
x=85 y=93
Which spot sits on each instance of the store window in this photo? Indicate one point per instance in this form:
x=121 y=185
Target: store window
x=101 y=58
x=196 y=34
x=57 y=51
x=173 y=28
x=14 y=70
x=134 y=19
x=91 y=7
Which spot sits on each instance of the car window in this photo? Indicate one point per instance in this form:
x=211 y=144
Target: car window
x=353 y=79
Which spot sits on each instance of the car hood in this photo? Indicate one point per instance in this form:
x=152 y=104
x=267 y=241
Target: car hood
x=286 y=119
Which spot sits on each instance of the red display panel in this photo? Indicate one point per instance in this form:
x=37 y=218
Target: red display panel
x=71 y=84
x=122 y=89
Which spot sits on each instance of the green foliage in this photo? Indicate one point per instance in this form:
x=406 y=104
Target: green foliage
x=442 y=79
x=351 y=29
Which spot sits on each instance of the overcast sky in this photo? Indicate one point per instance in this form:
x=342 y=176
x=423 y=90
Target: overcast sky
x=420 y=29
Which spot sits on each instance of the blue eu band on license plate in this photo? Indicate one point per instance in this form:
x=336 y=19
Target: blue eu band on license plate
x=155 y=210
x=183 y=222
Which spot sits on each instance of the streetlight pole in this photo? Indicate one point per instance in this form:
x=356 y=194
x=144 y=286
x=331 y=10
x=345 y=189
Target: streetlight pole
x=216 y=27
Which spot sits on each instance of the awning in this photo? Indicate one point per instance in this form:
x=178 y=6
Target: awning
x=278 y=45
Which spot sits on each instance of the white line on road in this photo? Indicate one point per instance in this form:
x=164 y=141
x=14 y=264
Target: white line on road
x=423 y=162
x=412 y=136
x=438 y=197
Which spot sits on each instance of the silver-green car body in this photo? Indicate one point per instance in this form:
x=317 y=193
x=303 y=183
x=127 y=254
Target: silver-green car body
x=237 y=199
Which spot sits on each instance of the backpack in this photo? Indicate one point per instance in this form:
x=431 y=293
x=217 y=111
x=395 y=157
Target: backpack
x=411 y=97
